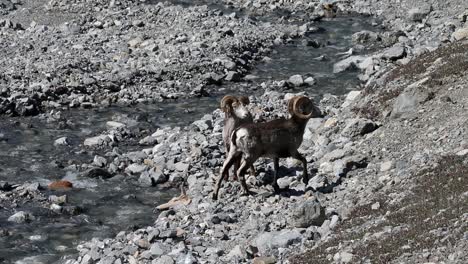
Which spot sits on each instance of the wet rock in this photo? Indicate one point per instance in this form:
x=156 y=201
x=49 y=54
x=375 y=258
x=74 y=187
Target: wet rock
x=102 y=140
x=417 y=14
x=152 y=177
x=359 y=127
x=98 y=173
x=58 y=199
x=365 y=37
x=32 y=187
x=60 y=185
x=5 y=186
x=296 y=80
x=63 y=141
x=114 y=124
x=99 y=161
x=21 y=217
x=348 y=64
x=136 y=168
x=308 y=213
x=278 y=239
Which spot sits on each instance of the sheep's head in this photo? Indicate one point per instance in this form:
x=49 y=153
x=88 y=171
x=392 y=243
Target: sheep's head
x=235 y=106
x=302 y=107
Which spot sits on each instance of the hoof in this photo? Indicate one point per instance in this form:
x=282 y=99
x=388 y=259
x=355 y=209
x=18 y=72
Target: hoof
x=276 y=188
x=214 y=196
x=246 y=193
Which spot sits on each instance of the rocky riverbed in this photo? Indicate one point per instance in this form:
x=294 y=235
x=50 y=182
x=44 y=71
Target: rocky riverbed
x=388 y=161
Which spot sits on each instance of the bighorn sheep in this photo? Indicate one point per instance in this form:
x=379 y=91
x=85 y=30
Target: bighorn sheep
x=278 y=138
x=235 y=115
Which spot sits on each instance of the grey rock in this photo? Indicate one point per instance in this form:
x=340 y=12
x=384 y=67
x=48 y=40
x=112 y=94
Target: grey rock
x=186 y=259
x=394 y=53
x=386 y=166
x=163 y=260
x=170 y=233
x=278 y=239
x=358 y=127
x=308 y=213
x=63 y=141
x=408 y=101
x=296 y=80
x=181 y=166
x=21 y=217
x=157 y=249
x=58 y=199
x=148 y=141
x=284 y=182
x=5 y=186
x=348 y=64
x=203 y=125
x=114 y=124
x=99 y=161
x=136 y=168
x=107 y=260
x=152 y=177
x=98 y=173
x=310 y=81
x=417 y=14
x=102 y=140
x=365 y=37
x=238 y=252
x=233 y=76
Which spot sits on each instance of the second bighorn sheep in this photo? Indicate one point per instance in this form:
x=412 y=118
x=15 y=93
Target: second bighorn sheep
x=235 y=114
x=276 y=139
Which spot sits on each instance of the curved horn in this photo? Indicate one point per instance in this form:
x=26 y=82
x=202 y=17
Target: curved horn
x=244 y=100
x=227 y=101
x=291 y=103
x=302 y=102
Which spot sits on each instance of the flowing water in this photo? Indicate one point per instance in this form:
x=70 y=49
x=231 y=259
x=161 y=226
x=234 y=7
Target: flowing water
x=27 y=152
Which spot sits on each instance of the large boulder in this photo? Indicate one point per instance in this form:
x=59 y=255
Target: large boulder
x=278 y=239
x=308 y=213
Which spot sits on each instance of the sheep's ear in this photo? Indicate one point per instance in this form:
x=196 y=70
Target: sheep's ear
x=244 y=100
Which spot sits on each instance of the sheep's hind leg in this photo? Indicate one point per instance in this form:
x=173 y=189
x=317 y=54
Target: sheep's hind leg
x=275 y=179
x=233 y=155
x=305 y=175
x=246 y=163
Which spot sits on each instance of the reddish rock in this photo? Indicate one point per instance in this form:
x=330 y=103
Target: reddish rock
x=60 y=185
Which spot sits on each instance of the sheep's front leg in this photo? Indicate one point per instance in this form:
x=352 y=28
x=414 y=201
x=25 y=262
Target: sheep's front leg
x=246 y=163
x=232 y=156
x=275 y=174
x=305 y=175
